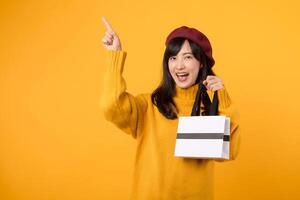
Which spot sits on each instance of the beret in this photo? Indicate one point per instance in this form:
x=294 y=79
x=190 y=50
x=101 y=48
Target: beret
x=196 y=36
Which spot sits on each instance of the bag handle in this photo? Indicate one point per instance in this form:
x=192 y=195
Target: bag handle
x=213 y=106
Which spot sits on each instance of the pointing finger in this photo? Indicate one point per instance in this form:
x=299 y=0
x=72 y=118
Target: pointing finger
x=107 y=25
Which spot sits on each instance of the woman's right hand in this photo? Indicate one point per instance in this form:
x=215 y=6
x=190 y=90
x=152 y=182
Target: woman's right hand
x=110 y=40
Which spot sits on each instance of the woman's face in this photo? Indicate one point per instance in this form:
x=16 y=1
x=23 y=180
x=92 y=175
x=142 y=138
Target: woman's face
x=184 y=67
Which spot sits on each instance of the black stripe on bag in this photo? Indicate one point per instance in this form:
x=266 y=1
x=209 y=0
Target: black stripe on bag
x=226 y=138
x=203 y=136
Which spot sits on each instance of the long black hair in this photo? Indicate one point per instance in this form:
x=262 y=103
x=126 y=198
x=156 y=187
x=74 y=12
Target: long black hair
x=162 y=97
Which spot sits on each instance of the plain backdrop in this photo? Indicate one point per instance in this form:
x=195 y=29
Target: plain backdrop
x=54 y=141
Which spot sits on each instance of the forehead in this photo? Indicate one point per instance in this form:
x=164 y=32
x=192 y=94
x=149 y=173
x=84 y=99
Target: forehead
x=185 y=48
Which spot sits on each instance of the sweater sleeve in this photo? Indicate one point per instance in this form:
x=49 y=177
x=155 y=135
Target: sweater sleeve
x=227 y=108
x=120 y=107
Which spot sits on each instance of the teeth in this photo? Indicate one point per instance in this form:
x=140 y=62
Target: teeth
x=181 y=74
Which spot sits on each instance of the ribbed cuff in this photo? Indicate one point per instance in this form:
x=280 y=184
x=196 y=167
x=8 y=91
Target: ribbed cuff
x=224 y=99
x=116 y=60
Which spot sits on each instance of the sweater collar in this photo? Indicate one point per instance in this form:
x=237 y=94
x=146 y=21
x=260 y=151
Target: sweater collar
x=186 y=93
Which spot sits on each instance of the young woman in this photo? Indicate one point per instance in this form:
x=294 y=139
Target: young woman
x=152 y=118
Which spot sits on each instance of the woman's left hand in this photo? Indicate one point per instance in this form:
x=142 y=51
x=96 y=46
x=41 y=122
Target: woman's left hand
x=213 y=83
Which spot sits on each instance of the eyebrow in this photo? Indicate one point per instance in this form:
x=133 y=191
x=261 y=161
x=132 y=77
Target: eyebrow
x=187 y=53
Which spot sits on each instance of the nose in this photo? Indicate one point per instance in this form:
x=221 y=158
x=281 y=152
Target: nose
x=180 y=64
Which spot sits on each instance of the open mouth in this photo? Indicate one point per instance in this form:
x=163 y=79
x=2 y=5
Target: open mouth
x=182 y=76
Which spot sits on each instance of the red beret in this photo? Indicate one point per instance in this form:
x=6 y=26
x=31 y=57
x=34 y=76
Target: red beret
x=196 y=36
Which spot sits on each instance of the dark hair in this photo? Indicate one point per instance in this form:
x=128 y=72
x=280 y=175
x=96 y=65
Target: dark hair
x=162 y=97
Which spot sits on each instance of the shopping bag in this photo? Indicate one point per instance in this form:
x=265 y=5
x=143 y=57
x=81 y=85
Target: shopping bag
x=203 y=136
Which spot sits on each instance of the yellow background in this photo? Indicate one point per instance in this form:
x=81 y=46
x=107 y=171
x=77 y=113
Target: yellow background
x=54 y=142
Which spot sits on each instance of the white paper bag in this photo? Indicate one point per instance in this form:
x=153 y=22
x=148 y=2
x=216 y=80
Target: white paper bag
x=203 y=137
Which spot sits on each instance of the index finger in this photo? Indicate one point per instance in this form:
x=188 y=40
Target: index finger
x=107 y=25
x=209 y=77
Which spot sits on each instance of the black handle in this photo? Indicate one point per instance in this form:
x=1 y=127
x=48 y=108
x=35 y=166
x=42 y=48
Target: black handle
x=213 y=106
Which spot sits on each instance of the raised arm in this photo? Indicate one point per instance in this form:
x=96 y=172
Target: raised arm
x=119 y=107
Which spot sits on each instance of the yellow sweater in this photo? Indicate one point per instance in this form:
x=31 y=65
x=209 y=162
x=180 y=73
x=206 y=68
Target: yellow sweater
x=158 y=174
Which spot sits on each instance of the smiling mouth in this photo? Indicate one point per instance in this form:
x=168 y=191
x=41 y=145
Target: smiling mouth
x=182 y=76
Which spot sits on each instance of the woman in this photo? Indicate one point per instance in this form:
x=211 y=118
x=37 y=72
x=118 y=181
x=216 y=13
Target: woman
x=152 y=118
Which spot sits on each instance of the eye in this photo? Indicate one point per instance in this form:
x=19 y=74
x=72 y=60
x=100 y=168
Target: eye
x=188 y=57
x=172 y=58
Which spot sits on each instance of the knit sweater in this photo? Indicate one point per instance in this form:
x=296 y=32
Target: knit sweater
x=158 y=174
